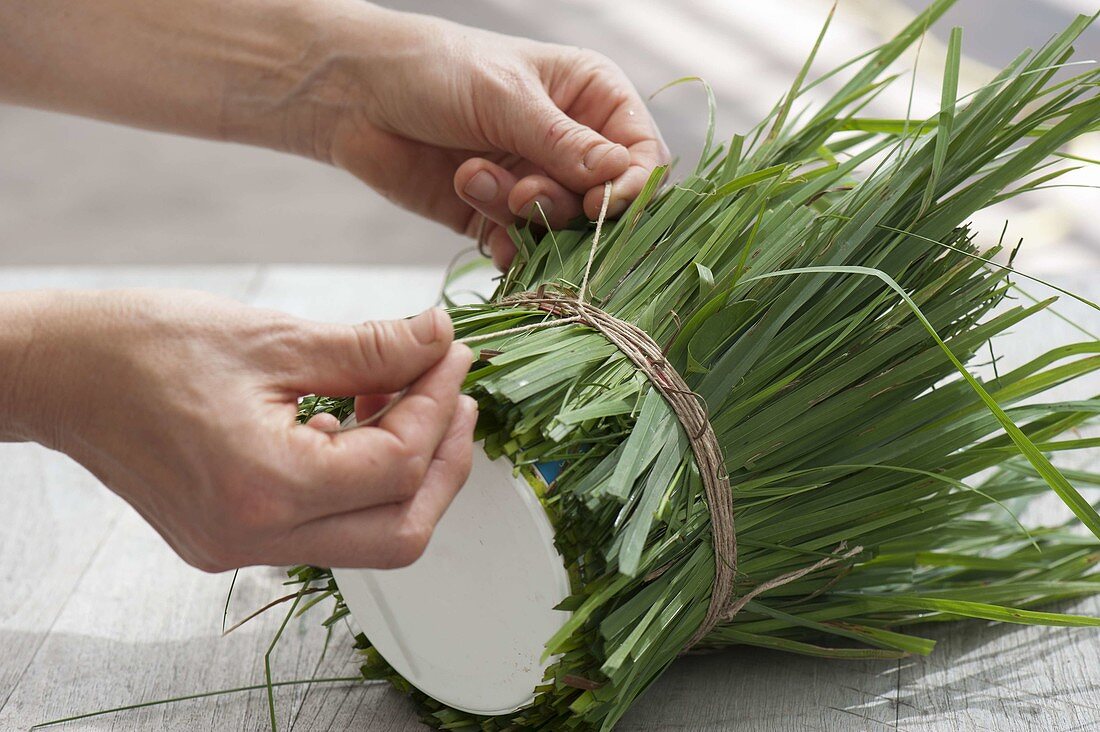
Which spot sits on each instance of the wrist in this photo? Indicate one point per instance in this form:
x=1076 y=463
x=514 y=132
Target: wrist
x=318 y=72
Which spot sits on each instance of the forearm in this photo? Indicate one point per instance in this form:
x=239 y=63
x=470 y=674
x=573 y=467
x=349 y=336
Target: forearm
x=242 y=70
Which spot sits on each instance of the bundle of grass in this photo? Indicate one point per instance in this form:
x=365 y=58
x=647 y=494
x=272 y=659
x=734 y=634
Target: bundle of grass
x=816 y=289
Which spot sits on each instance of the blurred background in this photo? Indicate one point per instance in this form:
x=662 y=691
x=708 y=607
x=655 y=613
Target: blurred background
x=77 y=192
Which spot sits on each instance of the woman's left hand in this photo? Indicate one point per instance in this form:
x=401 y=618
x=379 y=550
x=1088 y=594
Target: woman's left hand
x=457 y=123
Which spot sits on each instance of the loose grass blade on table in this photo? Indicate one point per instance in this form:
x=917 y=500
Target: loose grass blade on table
x=817 y=285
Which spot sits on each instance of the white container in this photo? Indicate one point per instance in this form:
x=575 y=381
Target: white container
x=468 y=622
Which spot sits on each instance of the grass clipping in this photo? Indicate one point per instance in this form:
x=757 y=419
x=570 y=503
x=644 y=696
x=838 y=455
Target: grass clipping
x=824 y=316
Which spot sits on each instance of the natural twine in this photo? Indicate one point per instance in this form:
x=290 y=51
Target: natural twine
x=689 y=409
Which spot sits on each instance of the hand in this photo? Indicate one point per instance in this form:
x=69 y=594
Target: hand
x=184 y=404
x=433 y=109
x=448 y=121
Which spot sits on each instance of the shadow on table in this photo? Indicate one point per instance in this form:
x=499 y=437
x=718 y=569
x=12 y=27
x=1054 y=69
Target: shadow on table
x=981 y=676
x=1002 y=677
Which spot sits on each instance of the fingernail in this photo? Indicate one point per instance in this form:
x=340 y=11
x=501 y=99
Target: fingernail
x=482 y=187
x=539 y=202
x=426 y=327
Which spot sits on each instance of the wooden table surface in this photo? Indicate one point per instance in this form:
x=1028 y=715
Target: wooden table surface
x=98 y=612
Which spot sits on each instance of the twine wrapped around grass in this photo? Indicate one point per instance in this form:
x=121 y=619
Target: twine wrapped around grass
x=817 y=288
x=686 y=405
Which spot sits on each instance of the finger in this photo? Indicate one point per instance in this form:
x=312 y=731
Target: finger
x=421 y=417
x=368 y=405
x=396 y=534
x=644 y=158
x=324 y=422
x=544 y=201
x=501 y=248
x=610 y=104
x=571 y=153
x=485 y=186
x=450 y=468
x=378 y=356
x=387 y=463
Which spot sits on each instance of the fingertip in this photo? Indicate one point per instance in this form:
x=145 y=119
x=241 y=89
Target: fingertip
x=473 y=180
x=465 y=354
x=542 y=200
x=485 y=186
x=445 y=327
x=324 y=422
x=503 y=257
x=469 y=408
x=433 y=326
x=501 y=249
x=664 y=155
x=593 y=203
x=624 y=190
x=537 y=209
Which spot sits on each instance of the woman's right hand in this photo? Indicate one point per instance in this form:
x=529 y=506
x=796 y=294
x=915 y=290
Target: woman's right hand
x=184 y=404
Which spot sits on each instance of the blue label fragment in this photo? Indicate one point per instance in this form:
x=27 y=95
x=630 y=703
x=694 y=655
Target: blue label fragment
x=550 y=469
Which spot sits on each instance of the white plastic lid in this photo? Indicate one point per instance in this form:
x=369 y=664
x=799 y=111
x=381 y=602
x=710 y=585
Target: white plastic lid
x=468 y=622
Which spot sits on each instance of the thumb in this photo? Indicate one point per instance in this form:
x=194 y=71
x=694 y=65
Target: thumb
x=373 y=357
x=576 y=156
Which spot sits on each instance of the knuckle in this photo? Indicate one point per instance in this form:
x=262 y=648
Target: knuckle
x=374 y=339
x=281 y=328
x=410 y=468
x=497 y=92
x=397 y=451
x=562 y=132
x=508 y=80
x=409 y=543
x=595 y=60
x=620 y=96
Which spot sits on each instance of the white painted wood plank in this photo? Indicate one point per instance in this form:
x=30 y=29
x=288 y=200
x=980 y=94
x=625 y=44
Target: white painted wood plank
x=58 y=517
x=142 y=625
x=353 y=294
